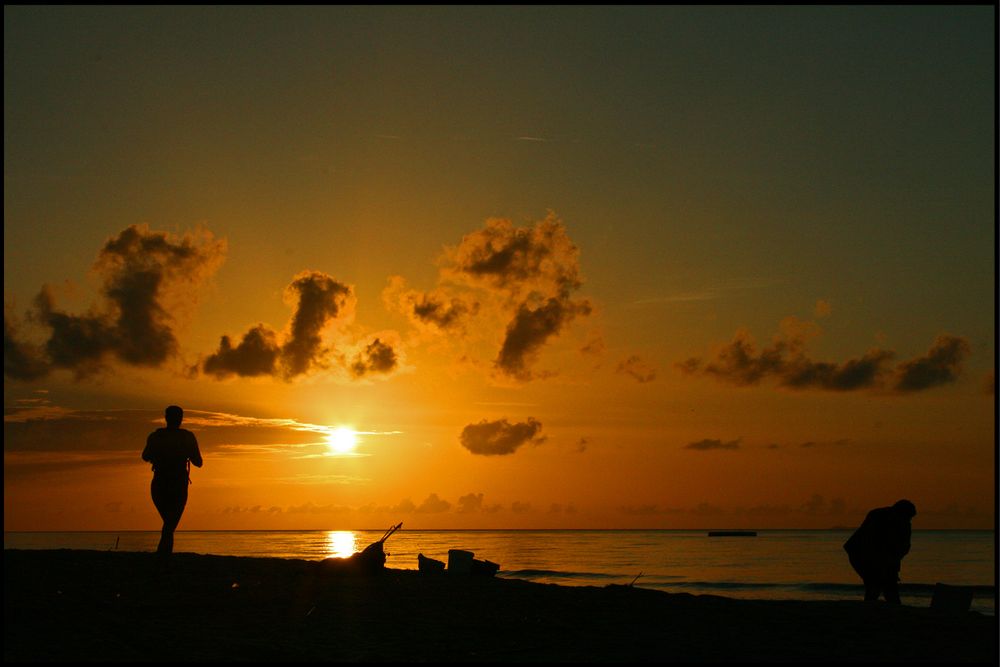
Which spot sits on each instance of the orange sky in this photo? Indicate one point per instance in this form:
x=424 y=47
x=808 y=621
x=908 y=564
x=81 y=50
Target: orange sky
x=609 y=278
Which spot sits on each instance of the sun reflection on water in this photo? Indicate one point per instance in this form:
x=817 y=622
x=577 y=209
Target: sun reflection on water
x=339 y=543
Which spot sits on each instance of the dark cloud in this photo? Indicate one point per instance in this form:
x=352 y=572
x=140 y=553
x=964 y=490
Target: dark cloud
x=317 y=300
x=21 y=359
x=540 y=258
x=147 y=277
x=941 y=365
x=637 y=368
x=704 y=445
x=377 y=357
x=257 y=354
x=500 y=437
x=595 y=347
x=786 y=362
x=524 y=275
x=438 y=309
x=530 y=329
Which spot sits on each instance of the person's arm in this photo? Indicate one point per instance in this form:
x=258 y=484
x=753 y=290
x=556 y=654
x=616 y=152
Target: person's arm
x=195 y=452
x=147 y=452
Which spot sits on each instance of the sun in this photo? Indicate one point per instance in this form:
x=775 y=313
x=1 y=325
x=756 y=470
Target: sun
x=342 y=440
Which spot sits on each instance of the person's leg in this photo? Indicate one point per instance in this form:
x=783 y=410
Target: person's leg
x=863 y=568
x=890 y=586
x=170 y=504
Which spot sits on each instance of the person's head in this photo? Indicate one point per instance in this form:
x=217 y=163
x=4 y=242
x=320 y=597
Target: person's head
x=174 y=415
x=905 y=508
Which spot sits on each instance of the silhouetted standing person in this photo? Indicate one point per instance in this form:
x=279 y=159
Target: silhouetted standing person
x=877 y=547
x=171 y=450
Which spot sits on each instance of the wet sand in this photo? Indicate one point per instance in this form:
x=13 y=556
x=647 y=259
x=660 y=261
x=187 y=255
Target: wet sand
x=116 y=606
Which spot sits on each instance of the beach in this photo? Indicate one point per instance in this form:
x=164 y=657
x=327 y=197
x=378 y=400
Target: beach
x=110 y=605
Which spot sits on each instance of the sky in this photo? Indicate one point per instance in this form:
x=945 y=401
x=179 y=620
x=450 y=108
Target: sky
x=501 y=267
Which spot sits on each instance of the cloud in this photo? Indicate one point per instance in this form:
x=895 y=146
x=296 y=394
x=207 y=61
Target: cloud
x=21 y=359
x=812 y=443
x=594 y=347
x=471 y=502
x=433 y=505
x=523 y=276
x=517 y=260
x=317 y=300
x=437 y=310
x=148 y=278
x=257 y=354
x=990 y=383
x=638 y=369
x=517 y=507
x=705 y=445
x=941 y=365
x=786 y=362
x=495 y=438
x=376 y=357
x=528 y=332
x=44 y=435
x=823 y=309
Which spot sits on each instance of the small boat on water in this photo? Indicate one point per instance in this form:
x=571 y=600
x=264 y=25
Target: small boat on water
x=732 y=533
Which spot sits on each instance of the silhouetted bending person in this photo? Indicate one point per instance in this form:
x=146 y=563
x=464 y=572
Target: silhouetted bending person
x=171 y=450
x=877 y=547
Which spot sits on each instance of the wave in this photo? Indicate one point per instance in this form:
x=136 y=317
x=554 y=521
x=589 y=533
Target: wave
x=527 y=574
x=668 y=583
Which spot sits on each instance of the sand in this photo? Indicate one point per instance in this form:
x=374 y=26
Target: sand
x=116 y=606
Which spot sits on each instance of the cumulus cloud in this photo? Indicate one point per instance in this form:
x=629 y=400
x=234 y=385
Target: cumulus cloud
x=22 y=360
x=786 y=361
x=376 y=357
x=517 y=260
x=437 y=310
x=147 y=279
x=495 y=438
x=707 y=444
x=530 y=329
x=524 y=276
x=256 y=354
x=638 y=369
x=470 y=502
x=941 y=365
x=433 y=505
x=317 y=300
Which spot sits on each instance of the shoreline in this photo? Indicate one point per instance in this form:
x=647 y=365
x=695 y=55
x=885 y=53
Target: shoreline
x=107 y=605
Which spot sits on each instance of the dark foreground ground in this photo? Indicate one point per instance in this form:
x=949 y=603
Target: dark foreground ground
x=118 y=606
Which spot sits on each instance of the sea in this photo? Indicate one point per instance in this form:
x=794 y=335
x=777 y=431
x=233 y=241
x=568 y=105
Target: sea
x=772 y=565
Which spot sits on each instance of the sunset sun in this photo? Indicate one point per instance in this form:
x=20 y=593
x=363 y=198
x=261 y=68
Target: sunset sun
x=342 y=440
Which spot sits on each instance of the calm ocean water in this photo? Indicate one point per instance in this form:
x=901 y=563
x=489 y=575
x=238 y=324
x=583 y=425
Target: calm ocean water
x=777 y=564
